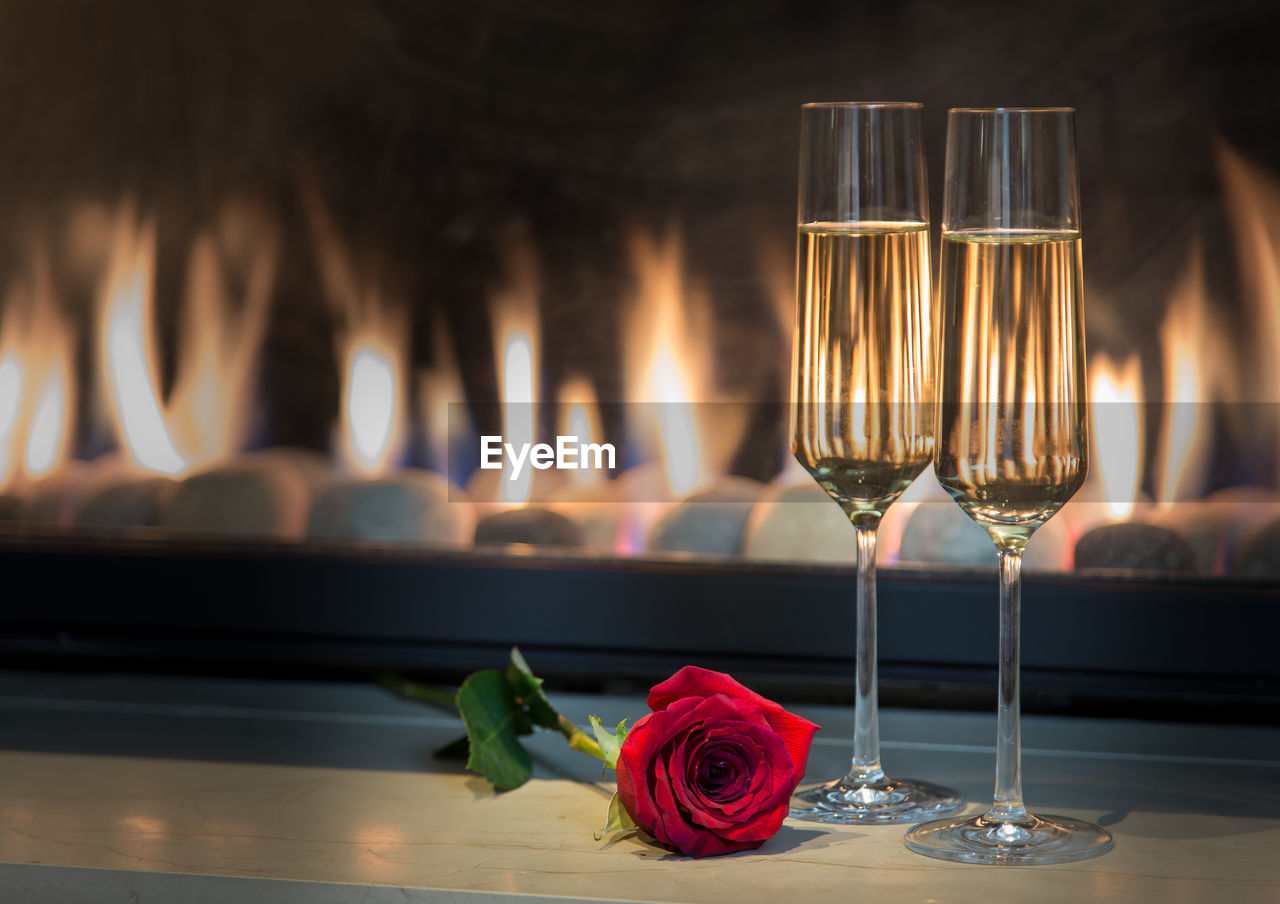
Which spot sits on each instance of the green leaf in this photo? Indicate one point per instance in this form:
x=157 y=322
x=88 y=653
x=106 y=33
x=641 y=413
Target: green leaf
x=619 y=820
x=528 y=692
x=610 y=741
x=493 y=719
x=455 y=750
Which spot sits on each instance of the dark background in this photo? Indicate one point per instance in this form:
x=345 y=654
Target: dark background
x=440 y=133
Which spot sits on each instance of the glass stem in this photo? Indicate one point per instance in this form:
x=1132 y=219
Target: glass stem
x=866 y=714
x=1008 y=806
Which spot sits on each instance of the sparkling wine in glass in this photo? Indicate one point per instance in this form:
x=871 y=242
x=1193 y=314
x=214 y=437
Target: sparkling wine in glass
x=1012 y=437
x=862 y=385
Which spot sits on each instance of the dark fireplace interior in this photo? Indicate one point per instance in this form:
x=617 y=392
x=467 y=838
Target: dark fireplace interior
x=420 y=182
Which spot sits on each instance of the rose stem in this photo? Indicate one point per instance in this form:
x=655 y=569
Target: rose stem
x=578 y=739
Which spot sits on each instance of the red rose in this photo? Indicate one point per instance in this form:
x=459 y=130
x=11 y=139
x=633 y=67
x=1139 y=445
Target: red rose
x=712 y=769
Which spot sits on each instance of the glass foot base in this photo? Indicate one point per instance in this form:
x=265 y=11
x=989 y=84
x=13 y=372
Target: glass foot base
x=1035 y=839
x=848 y=801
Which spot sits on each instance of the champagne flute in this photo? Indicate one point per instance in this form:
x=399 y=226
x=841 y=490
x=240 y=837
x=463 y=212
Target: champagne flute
x=1012 y=421
x=862 y=384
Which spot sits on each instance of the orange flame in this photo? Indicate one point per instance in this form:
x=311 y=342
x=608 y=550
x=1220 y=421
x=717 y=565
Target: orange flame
x=669 y=351
x=1254 y=203
x=10 y=403
x=218 y=357
x=1117 y=431
x=206 y=418
x=47 y=439
x=372 y=354
x=580 y=417
x=1189 y=337
x=516 y=343
x=128 y=354
x=36 y=386
x=370 y=439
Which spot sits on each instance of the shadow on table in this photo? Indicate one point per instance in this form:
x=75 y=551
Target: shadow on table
x=789 y=838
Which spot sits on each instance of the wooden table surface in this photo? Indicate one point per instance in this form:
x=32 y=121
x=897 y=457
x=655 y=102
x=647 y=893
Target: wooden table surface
x=116 y=788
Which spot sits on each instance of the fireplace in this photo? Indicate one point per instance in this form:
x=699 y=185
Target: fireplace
x=272 y=271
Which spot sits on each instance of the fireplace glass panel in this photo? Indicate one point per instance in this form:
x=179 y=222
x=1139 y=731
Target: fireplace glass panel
x=270 y=273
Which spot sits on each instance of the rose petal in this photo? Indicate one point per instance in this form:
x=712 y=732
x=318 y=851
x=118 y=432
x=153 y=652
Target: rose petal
x=680 y=709
x=736 y=718
x=634 y=788
x=760 y=829
x=719 y=771
x=672 y=826
x=768 y=785
x=796 y=733
x=677 y=765
x=692 y=681
x=683 y=714
x=681 y=831
x=712 y=712
x=771 y=768
x=702 y=811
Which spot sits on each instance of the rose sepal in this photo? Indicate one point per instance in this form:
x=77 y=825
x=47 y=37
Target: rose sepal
x=610 y=742
x=618 y=824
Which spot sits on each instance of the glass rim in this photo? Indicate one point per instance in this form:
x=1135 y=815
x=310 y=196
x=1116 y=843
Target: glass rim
x=990 y=110
x=862 y=105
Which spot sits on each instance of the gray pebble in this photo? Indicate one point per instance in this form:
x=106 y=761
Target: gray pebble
x=1260 y=557
x=138 y=502
x=711 y=521
x=414 y=506
x=12 y=508
x=799 y=523
x=263 y=497
x=1134 y=545
x=533 y=525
